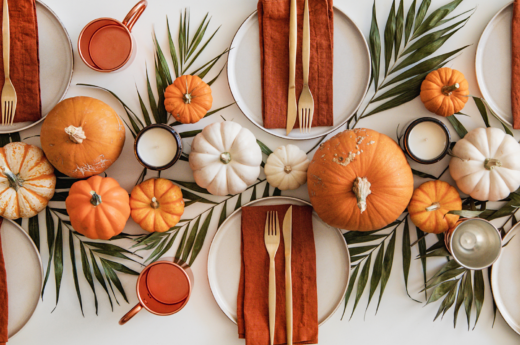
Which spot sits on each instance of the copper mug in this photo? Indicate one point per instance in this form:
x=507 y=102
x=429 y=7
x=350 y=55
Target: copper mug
x=163 y=288
x=106 y=44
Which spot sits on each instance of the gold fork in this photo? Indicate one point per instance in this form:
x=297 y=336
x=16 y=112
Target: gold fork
x=8 y=97
x=272 y=241
x=306 y=102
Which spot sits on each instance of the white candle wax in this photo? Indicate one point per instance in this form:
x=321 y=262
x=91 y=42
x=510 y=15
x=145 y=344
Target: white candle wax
x=427 y=140
x=157 y=147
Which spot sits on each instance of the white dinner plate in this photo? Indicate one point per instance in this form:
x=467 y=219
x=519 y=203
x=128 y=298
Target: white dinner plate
x=351 y=74
x=332 y=261
x=56 y=64
x=505 y=280
x=24 y=275
x=493 y=63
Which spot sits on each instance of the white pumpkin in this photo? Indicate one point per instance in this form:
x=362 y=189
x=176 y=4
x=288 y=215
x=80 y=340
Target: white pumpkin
x=27 y=181
x=486 y=164
x=225 y=158
x=286 y=168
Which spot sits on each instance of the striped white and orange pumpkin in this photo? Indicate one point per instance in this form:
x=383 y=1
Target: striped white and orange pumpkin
x=27 y=181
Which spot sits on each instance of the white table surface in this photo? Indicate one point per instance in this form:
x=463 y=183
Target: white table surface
x=399 y=320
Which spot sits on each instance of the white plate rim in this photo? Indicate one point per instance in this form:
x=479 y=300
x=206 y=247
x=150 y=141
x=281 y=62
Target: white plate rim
x=33 y=246
x=282 y=199
x=332 y=128
x=494 y=279
x=71 y=49
x=478 y=62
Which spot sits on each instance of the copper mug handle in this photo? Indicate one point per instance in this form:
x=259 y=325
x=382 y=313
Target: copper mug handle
x=133 y=312
x=134 y=14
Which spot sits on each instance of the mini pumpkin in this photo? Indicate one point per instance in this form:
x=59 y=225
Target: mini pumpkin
x=486 y=164
x=225 y=158
x=188 y=99
x=157 y=205
x=359 y=180
x=27 y=181
x=444 y=91
x=98 y=207
x=82 y=136
x=286 y=168
x=430 y=203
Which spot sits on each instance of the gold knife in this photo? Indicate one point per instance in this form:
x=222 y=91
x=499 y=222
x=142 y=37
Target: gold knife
x=287 y=238
x=291 y=101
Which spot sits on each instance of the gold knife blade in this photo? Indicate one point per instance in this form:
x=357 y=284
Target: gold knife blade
x=291 y=100
x=287 y=238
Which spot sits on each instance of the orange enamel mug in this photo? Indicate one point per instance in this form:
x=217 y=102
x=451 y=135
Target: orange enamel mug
x=163 y=288
x=106 y=44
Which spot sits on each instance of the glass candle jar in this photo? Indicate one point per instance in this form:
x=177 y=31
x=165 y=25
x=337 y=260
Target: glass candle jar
x=426 y=140
x=158 y=147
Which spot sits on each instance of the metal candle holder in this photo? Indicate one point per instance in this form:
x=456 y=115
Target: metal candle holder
x=474 y=243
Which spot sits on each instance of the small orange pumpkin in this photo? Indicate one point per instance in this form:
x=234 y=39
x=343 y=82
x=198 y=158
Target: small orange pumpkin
x=157 y=204
x=359 y=180
x=444 y=91
x=188 y=99
x=430 y=203
x=98 y=207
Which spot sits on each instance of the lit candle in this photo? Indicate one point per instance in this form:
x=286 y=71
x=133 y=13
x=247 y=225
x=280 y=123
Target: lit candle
x=427 y=140
x=475 y=243
x=157 y=147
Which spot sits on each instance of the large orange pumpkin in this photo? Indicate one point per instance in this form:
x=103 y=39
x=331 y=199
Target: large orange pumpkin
x=188 y=99
x=444 y=91
x=98 y=207
x=430 y=203
x=359 y=180
x=157 y=204
x=82 y=136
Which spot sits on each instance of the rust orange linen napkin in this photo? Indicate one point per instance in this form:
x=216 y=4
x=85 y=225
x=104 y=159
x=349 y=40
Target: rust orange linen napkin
x=273 y=16
x=3 y=297
x=25 y=62
x=253 y=291
x=515 y=65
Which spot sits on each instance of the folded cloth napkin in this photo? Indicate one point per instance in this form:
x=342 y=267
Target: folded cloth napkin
x=515 y=65
x=3 y=297
x=253 y=290
x=273 y=16
x=25 y=62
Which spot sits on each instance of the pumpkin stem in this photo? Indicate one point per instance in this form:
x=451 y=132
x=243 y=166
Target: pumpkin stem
x=96 y=198
x=434 y=207
x=187 y=95
x=76 y=134
x=447 y=90
x=491 y=163
x=361 y=189
x=14 y=180
x=154 y=203
x=225 y=157
x=287 y=169
x=187 y=98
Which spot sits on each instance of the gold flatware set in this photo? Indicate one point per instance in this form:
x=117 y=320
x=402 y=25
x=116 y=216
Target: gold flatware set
x=305 y=106
x=272 y=242
x=8 y=97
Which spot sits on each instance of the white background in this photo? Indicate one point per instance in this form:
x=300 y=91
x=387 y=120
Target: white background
x=399 y=320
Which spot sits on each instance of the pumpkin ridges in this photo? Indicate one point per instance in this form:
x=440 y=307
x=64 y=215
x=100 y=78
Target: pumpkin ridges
x=160 y=224
x=138 y=215
x=101 y=223
x=112 y=214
